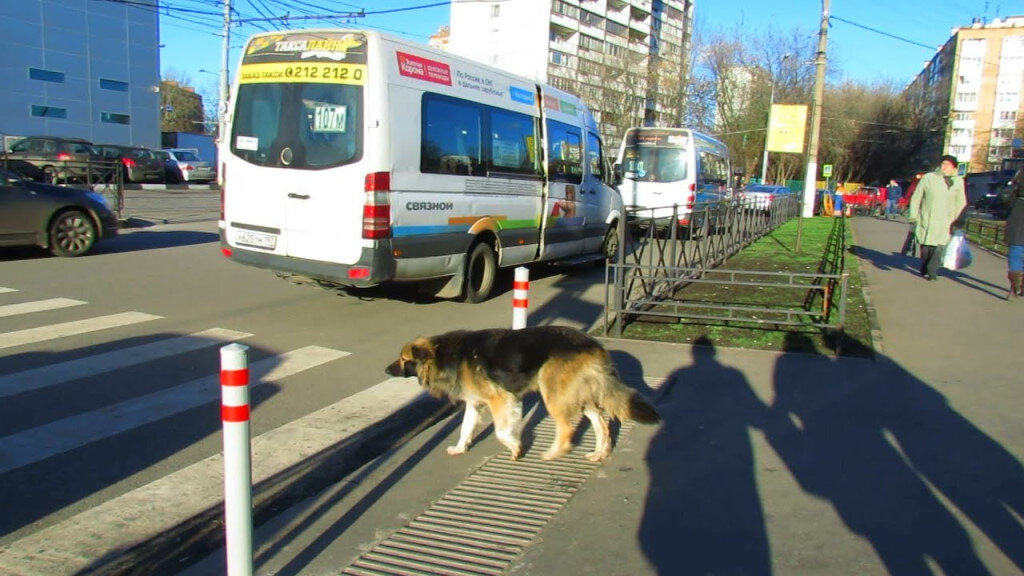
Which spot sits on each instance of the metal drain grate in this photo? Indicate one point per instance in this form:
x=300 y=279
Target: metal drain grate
x=482 y=524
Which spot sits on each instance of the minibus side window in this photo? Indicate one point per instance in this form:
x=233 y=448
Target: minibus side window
x=565 y=153
x=451 y=142
x=595 y=157
x=513 y=143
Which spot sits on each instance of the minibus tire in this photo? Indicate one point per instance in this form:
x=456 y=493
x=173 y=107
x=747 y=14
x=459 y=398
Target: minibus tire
x=481 y=270
x=610 y=246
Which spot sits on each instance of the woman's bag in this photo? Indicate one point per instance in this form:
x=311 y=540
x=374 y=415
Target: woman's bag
x=958 y=252
x=909 y=243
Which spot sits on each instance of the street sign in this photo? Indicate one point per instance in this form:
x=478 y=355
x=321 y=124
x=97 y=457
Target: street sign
x=826 y=170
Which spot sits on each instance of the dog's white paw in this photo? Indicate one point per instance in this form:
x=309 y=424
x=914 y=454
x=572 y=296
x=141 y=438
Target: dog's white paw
x=595 y=456
x=456 y=450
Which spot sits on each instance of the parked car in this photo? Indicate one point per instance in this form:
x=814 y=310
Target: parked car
x=866 y=200
x=761 y=196
x=193 y=169
x=55 y=159
x=172 y=172
x=139 y=164
x=67 y=221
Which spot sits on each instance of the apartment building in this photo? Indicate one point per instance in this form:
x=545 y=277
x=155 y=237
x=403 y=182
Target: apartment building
x=974 y=83
x=80 y=68
x=627 y=59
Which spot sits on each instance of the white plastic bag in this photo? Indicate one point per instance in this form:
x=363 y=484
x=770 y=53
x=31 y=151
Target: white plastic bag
x=958 y=252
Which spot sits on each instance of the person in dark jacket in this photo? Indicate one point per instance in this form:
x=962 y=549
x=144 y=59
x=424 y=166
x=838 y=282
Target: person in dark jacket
x=893 y=193
x=1015 y=237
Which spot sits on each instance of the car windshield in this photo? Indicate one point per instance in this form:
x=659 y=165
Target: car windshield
x=162 y=155
x=186 y=156
x=655 y=164
x=140 y=153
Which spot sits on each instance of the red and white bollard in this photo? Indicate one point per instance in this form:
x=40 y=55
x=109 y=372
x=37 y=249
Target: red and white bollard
x=234 y=414
x=520 y=297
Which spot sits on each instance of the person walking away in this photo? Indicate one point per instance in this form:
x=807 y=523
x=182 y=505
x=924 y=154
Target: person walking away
x=936 y=204
x=837 y=204
x=1015 y=237
x=893 y=193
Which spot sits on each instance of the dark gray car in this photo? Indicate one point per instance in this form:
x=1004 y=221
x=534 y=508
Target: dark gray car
x=54 y=159
x=139 y=164
x=67 y=221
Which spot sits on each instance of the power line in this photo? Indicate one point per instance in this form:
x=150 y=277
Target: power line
x=877 y=31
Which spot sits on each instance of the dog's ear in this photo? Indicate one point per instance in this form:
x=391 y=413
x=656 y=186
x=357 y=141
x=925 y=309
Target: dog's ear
x=422 y=350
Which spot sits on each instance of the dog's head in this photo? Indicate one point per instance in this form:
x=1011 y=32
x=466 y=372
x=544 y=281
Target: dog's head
x=416 y=359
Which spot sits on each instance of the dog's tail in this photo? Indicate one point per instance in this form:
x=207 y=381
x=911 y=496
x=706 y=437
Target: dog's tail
x=622 y=402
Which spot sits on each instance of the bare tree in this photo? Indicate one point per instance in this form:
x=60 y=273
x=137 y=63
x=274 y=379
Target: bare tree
x=181 y=108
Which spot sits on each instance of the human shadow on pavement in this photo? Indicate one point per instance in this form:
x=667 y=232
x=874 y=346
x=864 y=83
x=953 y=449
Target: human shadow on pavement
x=703 y=514
x=911 y=264
x=871 y=442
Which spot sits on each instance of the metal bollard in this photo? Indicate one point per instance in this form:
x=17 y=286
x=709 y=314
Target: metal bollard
x=520 y=297
x=234 y=412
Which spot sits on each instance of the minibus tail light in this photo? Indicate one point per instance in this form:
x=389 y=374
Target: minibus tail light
x=377 y=206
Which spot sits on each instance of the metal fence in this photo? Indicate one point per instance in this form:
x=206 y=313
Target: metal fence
x=104 y=176
x=657 y=259
x=990 y=234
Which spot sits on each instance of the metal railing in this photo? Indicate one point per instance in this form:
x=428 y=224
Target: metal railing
x=657 y=259
x=103 y=176
x=990 y=234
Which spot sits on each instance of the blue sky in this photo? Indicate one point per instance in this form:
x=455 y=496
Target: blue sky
x=190 y=29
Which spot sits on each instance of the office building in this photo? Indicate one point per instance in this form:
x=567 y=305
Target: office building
x=81 y=68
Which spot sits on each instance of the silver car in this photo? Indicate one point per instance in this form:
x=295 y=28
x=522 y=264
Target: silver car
x=192 y=168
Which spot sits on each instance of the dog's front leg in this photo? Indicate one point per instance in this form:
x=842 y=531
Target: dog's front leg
x=469 y=423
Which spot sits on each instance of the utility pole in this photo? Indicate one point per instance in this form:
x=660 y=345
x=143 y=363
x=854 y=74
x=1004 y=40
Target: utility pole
x=819 y=91
x=222 y=106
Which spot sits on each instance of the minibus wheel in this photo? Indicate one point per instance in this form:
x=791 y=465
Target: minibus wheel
x=610 y=247
x=481 y=270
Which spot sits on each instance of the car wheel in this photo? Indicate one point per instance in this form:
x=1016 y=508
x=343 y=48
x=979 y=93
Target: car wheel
x=481 y=270
x=610 y=246
x=72 y=233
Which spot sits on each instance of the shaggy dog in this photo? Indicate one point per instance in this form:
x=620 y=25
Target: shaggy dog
x=496 y=368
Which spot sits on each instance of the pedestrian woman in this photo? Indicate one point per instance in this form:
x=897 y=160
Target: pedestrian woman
x=1015 y=237
x=935 y=205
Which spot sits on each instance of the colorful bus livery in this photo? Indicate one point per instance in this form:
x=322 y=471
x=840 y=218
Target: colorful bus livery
x=410 y=166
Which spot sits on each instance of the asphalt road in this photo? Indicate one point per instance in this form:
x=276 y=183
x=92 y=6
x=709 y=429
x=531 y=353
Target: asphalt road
x=108 y=363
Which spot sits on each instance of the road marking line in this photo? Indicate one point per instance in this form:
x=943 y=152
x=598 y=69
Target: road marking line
x=53 y=331
x=38 y=306
x=54 y=374
x=105 y=531
x=48 y=440
x=6 y=290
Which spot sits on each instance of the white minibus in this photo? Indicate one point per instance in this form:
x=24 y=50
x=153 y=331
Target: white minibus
x=353 y=159
x=662 y=168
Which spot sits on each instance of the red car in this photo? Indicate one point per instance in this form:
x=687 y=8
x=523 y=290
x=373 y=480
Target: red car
x=866 y=200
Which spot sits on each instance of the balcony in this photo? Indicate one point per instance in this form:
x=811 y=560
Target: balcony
x=564 y=21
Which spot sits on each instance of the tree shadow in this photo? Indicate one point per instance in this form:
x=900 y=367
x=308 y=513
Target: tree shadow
x=703 y=514
x=859 y=438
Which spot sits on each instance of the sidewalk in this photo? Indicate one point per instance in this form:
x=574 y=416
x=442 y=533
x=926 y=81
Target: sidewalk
x=765 y=463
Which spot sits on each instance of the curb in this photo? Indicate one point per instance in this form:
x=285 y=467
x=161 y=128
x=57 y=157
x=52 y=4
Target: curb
x=875 y=325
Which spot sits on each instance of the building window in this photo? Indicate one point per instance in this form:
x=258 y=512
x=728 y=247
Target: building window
x=617 y=29
x=591 y=19
x=559 y=7
x=45 y=75
x=115 y=118
x=614 y=50
x=966 y=97
x=115 y=85
x=962 y=116
x=496 y=11
x=1002 y=134
x=1008 y=115
x=49 y=111
x=590 y=43
x=560 y=58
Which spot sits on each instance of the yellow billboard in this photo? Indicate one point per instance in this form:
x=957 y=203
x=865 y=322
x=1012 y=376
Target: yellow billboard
x=786 y=127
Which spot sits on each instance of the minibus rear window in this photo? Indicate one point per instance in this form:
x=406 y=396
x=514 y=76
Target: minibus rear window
x=296 y=125
x=652 y=164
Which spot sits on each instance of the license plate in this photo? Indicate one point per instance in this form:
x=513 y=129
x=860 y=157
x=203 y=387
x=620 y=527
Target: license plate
x=255 y=239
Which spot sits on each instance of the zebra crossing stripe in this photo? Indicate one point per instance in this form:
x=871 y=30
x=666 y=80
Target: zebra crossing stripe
x=48 y=440
x=43 y=333
x=81 y=542
x=38 y=306
x=54 y=374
